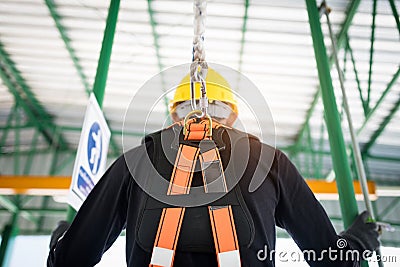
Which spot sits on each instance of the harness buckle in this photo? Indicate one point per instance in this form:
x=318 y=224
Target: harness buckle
x=193 y=117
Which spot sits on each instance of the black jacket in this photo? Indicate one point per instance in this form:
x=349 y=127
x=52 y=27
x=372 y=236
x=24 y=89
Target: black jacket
x=283 y=199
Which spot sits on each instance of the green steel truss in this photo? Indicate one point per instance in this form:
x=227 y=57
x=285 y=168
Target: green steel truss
x=303 y=145
x=24 y=96
x=71 y=51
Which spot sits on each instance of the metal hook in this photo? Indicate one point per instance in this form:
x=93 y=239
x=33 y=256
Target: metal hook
x=198 y=70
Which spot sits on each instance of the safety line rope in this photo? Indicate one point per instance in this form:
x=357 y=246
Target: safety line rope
x=355 y=145
x=199 y=9
x=199 y=67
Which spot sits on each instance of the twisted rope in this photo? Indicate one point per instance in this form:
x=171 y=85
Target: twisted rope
x=199 y=67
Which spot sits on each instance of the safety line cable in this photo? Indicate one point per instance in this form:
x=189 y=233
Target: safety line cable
x=355 y=145
x=199 y=67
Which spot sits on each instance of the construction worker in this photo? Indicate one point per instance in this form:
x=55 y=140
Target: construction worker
x=126 y=198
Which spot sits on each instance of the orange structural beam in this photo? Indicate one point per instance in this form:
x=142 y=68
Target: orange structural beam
x=328 y=190
x=34 y=185
x=59 y=185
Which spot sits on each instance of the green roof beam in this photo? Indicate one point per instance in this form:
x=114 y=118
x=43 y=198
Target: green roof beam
x=40 y=211
x=73 y=129
x=32 y=107
x=46 y=199
x=320 y=146
x=351 y=11
x=244 y=30
x=340 y=41
x=156 y=37
x=381 y=127
x=17 y=137
x=67 y=42
x=16 y=78
x=380 y=100
x=14 y=208
x=42 y=150
x=8 y=126
x=57 y=19
x=45 y=128
x=153 y=24
x=395 y=14
x=389 y=208
x=68 y=160
x=371 y=52
x=353 y=61
x=117 y=132
x=310 y=112
x=307 y=150
x=374 y=110
x=29 y=161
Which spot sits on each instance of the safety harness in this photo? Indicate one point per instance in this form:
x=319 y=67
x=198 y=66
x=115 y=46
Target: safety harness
x=204 y=149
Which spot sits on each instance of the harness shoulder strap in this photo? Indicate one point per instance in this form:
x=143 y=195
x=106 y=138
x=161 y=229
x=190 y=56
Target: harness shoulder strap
x=221 y=217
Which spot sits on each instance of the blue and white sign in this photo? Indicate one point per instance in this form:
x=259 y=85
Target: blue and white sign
x=94 y=148
x=91 y=156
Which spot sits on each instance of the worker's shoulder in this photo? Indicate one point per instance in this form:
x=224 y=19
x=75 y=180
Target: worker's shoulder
x=165 y=134
x=256 y=145
x=240 y=134
x=222 y=132
x=253 y=141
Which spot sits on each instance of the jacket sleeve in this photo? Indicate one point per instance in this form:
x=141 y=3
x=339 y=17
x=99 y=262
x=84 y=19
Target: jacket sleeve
x=303 y=217
x=98 y=223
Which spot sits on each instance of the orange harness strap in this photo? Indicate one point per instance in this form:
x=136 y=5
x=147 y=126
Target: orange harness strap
x=221 y=217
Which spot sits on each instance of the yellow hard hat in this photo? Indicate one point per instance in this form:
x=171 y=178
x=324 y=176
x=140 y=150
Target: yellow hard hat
x=218 y=89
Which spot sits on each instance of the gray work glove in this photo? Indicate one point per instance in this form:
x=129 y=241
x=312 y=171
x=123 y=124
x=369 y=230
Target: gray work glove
x=61 y=228
x=363 y=234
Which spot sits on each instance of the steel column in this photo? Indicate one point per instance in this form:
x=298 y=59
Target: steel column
x=103 y=65
x=105 y=53
x=7 y=241
x=338 y=149
x=356 y=155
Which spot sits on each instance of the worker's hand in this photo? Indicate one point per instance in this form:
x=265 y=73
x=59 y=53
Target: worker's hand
x=61 y=228
x=363 y=234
